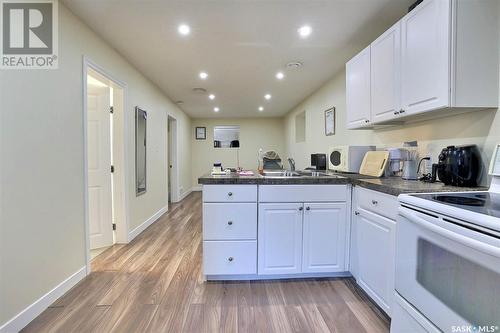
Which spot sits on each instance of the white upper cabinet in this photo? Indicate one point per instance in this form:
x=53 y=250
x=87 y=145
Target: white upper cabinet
x=358 y=90
x=386 y=75
x=426 y=57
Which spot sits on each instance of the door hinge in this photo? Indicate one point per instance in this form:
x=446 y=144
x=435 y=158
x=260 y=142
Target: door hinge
x=111 y=109
x=112 y=168
x=114 y=226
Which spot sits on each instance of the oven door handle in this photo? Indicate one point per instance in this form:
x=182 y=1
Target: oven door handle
x=472 y=243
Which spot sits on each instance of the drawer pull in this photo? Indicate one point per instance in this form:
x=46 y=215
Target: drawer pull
x=301 y=208
x=356 y=213
x=374 y=202
x=308 y=208
x=230 y=194
x=230 y=259
x=230 y=222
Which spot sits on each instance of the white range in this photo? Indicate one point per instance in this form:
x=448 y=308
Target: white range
x=448 y=260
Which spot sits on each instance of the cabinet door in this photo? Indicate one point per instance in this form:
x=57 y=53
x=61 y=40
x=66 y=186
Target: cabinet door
x=280 y=238
x=426 y=57
x=324 y=237
x=376 y=243
x=386 y=75
x=358 y=90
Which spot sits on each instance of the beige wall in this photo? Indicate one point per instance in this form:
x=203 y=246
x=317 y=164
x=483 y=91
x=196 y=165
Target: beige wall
x=481 y=128
x=42 y=195
x=255 y=133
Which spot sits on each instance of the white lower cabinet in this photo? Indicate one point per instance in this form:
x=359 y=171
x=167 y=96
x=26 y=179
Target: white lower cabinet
x=280 y=238
x=229 y=257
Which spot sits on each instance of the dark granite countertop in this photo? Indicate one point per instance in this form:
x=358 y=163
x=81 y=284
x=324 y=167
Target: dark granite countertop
x=390 y=185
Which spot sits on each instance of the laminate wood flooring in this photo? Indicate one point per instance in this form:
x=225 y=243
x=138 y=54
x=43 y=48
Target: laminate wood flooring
x=155 y=284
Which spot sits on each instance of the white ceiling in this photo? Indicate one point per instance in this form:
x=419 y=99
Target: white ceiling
x=241 y=44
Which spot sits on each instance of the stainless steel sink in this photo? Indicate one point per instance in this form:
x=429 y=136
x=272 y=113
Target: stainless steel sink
x=286 y=174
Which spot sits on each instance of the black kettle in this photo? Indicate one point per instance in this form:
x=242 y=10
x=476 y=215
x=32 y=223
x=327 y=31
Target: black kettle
x=459 y=166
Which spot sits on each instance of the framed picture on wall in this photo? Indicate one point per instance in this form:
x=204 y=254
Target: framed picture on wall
x=201 y=133
x=330 y=121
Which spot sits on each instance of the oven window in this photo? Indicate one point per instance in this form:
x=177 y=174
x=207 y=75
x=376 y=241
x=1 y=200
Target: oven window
x=469 y=289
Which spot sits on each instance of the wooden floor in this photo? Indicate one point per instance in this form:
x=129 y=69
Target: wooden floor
x=154 y=284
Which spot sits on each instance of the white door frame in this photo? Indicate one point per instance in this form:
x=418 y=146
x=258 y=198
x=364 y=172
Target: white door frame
x=174 y=185
x=122 y=223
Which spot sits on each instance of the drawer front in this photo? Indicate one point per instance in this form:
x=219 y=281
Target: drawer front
x=378 y=203
x=229 y=257
x=230 y=193
x=302 y=193
x=229 y=221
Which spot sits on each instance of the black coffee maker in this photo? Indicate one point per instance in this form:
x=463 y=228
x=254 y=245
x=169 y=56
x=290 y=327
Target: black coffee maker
x=459 y=166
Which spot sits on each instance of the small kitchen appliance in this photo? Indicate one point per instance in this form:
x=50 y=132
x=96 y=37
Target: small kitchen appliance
x=394 y=165
x=318 y=161
x=347 y=158
x=410 y=161
x=448 y=259
x=459 y=165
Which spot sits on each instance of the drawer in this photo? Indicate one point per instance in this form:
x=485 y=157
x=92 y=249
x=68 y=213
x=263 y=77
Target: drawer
x=229 y=221
x=378 y=203
x=302 y=193
x=229 y=257
x=229 y=193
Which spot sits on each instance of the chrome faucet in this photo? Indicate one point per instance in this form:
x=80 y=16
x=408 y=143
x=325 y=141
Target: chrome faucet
x=291 y=163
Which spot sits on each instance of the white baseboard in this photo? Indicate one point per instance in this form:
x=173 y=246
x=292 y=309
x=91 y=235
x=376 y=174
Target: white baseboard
x=197 y=188
x=24 y=317
x=134 y=233
x=185 y=194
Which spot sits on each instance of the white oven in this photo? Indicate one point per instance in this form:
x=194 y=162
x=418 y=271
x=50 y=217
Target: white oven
x=448 y=270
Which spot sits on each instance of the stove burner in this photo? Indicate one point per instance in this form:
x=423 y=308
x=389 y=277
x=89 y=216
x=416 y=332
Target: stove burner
x=464 y=201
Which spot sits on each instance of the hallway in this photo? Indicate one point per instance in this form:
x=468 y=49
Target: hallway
x=154 y=284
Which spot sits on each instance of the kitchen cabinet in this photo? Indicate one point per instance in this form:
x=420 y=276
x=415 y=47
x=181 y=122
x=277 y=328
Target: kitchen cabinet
x=324 y=230
x=386 y=75
x=373 y=239
x=440 y=59
x=358 y=90
x=280 y=238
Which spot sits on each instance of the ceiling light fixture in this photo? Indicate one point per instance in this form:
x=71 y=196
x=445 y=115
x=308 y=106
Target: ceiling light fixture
x=261 y=108
x=304 y=31
x=184 y=29
x=211 y=96
x=280 y=75
x=267 y=96
x=216 y=109
x=203 y=75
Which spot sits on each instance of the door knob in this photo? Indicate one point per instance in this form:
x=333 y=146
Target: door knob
x=301 y=208
x=230 y=259
x=308 y=208
x=230 y=194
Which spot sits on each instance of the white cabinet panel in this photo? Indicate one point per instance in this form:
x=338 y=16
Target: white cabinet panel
x=280 y=238
x=377 y=202
x=376 y=241
x=234 y=221
x=426 y=40
x=358 y=90
x=324 y=237
x=229 y=257
x=302 y=193
x=229 y=193
x=386 y=75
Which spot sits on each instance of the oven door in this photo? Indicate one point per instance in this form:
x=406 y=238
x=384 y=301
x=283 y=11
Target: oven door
x=448 y=270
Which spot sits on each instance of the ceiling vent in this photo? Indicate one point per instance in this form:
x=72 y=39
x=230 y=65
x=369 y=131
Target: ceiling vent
x=294 y=65
x=200 y=91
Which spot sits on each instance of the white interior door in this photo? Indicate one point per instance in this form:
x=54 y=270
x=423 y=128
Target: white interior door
x=99 y=167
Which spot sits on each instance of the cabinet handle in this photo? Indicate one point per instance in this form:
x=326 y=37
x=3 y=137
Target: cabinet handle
x=356 y=213
x=230 y=194
x=402 y=111
x=396 y=113
x=230 y=259
x=367 y=121
x=230 y=222
x=374 y=202
x=301 y=208
x=308 y=208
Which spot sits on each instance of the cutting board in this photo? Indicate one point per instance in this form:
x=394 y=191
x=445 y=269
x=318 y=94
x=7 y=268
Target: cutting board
x=374 y=163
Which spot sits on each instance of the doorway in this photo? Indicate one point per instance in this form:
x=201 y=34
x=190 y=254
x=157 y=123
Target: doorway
x=172 y=162
x=105 y=197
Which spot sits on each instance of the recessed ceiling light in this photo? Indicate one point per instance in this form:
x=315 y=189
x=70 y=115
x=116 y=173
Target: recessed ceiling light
x=261 y=108
x=280 y=75
x=184 y=29
x=216 y=109
x=304 y=31
x=211 y=96
x=203 y=75
x=267 y=96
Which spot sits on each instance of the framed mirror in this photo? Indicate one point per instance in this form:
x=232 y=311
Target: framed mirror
x=226 y=137
x=141 y=117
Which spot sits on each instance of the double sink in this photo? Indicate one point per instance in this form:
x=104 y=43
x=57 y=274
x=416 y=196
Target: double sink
x=293 y=174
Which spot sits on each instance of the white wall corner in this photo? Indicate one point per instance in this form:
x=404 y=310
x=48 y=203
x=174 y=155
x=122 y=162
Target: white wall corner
x=185 y=194
x=24 y=317
x=134 y=233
